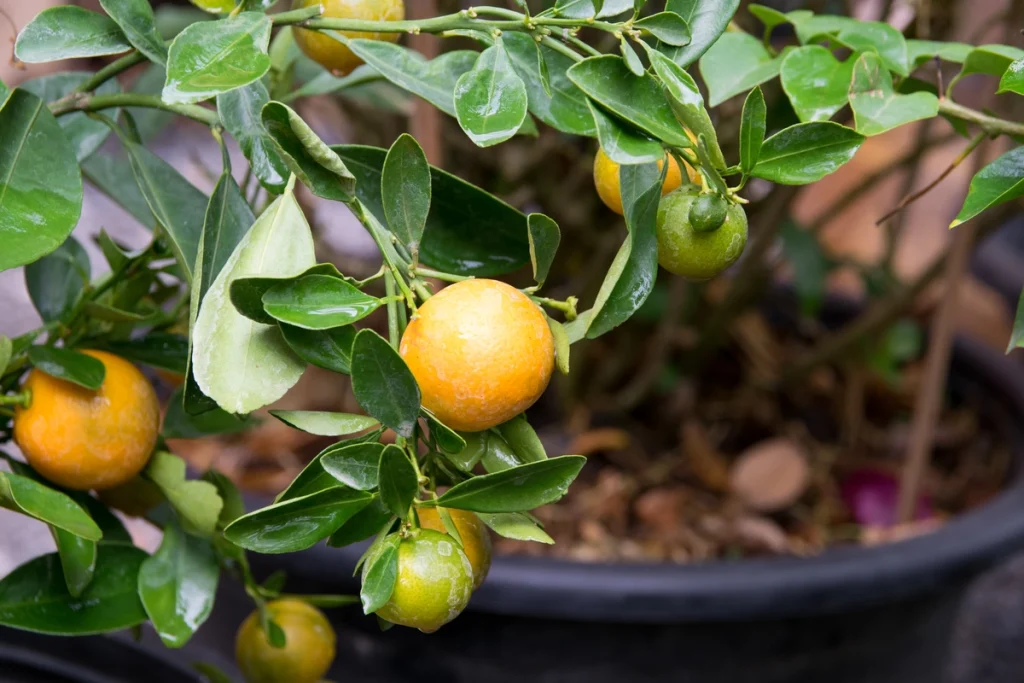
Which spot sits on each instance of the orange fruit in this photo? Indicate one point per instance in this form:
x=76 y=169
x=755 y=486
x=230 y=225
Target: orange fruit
x=481 y=352
x=434 y=584
x=695 y=254
x=606 y=179
x=476 y=539
x=308 y=651
x=83 y=439
x=331 y=54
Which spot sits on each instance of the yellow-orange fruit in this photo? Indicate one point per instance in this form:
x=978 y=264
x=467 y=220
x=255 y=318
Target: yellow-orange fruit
x=331 y=54
x=606 y=179
x=84 y=439
x=308 y=651
x=481 y=352
x=476 y=538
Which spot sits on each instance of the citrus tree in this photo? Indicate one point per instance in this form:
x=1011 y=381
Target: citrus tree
x=443 y=451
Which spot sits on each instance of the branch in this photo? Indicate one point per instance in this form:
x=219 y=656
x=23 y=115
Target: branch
x=81 y=102
x=990 y=124
x=110 y=70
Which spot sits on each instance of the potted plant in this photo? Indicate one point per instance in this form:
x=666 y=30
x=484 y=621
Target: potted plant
x=442 y=450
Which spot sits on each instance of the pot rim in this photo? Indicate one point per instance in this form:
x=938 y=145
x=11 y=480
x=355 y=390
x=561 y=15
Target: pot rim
x=839 y=579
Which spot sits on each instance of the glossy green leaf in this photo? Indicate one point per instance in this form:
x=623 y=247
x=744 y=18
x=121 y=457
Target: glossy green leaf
x=318 y=302
x=113 y=176
x=583 y=9
x=447 y=439
x=41 y=502
x=637 y=99
x=328 y=349
x=516 y=489
x=240 y=110
x=544 y=238
x=491 y=99
x=325 y=423
x=515 y=525
x=156 y=349
x=68 y=365
x=383 y=384
x=234 y=506
x=397 y=481
x=816 y=83
x=84 y=134
x=110 y=314
x=209 y=58
x=806 y=152
x=69 y=32
x=325 y=82
x=768 y=16
x=623 y=145
x=34 y=596
x=993 y=60
x=631 y=58
x=736 y=63
x=247 y=293
x=861 y=36
x=381 y=575
x=316 y=164
x=355 y=465
x=687 y=102
x=197 y=502
x=55 y=281
x=998 y=182
x=433 y=80
x=241 y=364
x=298 y=523
x=707 y=20
x=77 y=560
x=752 y=127
x=561 y=104
x=453 y=241
x=179 y=424
x=561 y=337
x=150 y=122
x=135 y=17
x=366 y=523
x=405 y=191
x=313 y=477
x=920 y=51
x=40 y=183
x=876 y=107
x=1013 y=78
x=668 y=27
x=632 y=274
x=178 y=584
x=522 y=439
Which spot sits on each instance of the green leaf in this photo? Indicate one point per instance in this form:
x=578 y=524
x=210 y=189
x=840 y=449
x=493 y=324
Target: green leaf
x=433 y=80
x=631 y=58
x=405 y=191
x=34 y=596
x=240 y=110
x=816 y=83
x=668 y=27
x=328 y=349
x=515 y=525
x=313 y=477
x=621 y=144
x=6 y=351
x=860 y=36
x=806 y=152
x=179 y=424
x=55 y=281
x=516 y=489
x=355 y=465
x=768 y=16
x=491 y=99
x=110 y=314
x=752 y=127
x=41 y=502
x=453 y=241
x=383 y=384
x=707 y=20
x=397 y=481
x=212 y=57
x=69 y=32
x=247 y=293
x=326 y=83
x=298 y=523
x=448 y=440
x=736 y=63
x=68 y=365
x=84 y=134
x=522 y=439
x=876 y=108
x=920 y=51
x=113 y=176
x=366 y=523
x=178 y=584
x=40 y=183
x=241 y=364
x=211 y=673
x=561 y=336
x=156 y=349
x=318 y=302
x=77 y=560
x=993 y=60
x=637 y=99
x=149 y=122
x=323 y=423
x=317 y=165
x=584 y=9
x=561 y=104
x=544 y=238
x=687 y=103
x=1013 y=78
x=381 y=575
x=632 y=274
x=234 y=506
x=197 y=502
x=135 y=17
x=998 y=182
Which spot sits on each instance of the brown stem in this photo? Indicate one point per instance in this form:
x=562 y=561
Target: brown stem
x=895 y=229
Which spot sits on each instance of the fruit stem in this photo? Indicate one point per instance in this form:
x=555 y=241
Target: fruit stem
x=439 y=275
x=394 y=333
x=110 y=70
x=568 y=307
x=22 y=399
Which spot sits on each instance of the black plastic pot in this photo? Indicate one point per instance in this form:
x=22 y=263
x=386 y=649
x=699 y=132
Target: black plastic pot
x=32 y=658
x=864 y=615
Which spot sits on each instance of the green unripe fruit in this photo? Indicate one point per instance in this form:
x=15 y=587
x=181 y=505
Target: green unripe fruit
x=708 y=212
x=693 y=254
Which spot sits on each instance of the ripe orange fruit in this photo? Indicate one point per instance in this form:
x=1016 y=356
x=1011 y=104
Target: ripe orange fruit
x=692 y=253
x=606 y=179
x=476 y=539
x=481 y=352
x=331 y=54
x=308 y=651
x=83 y=439
x=435 y=582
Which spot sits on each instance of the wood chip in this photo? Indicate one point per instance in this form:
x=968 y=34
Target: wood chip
x=770 y=475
